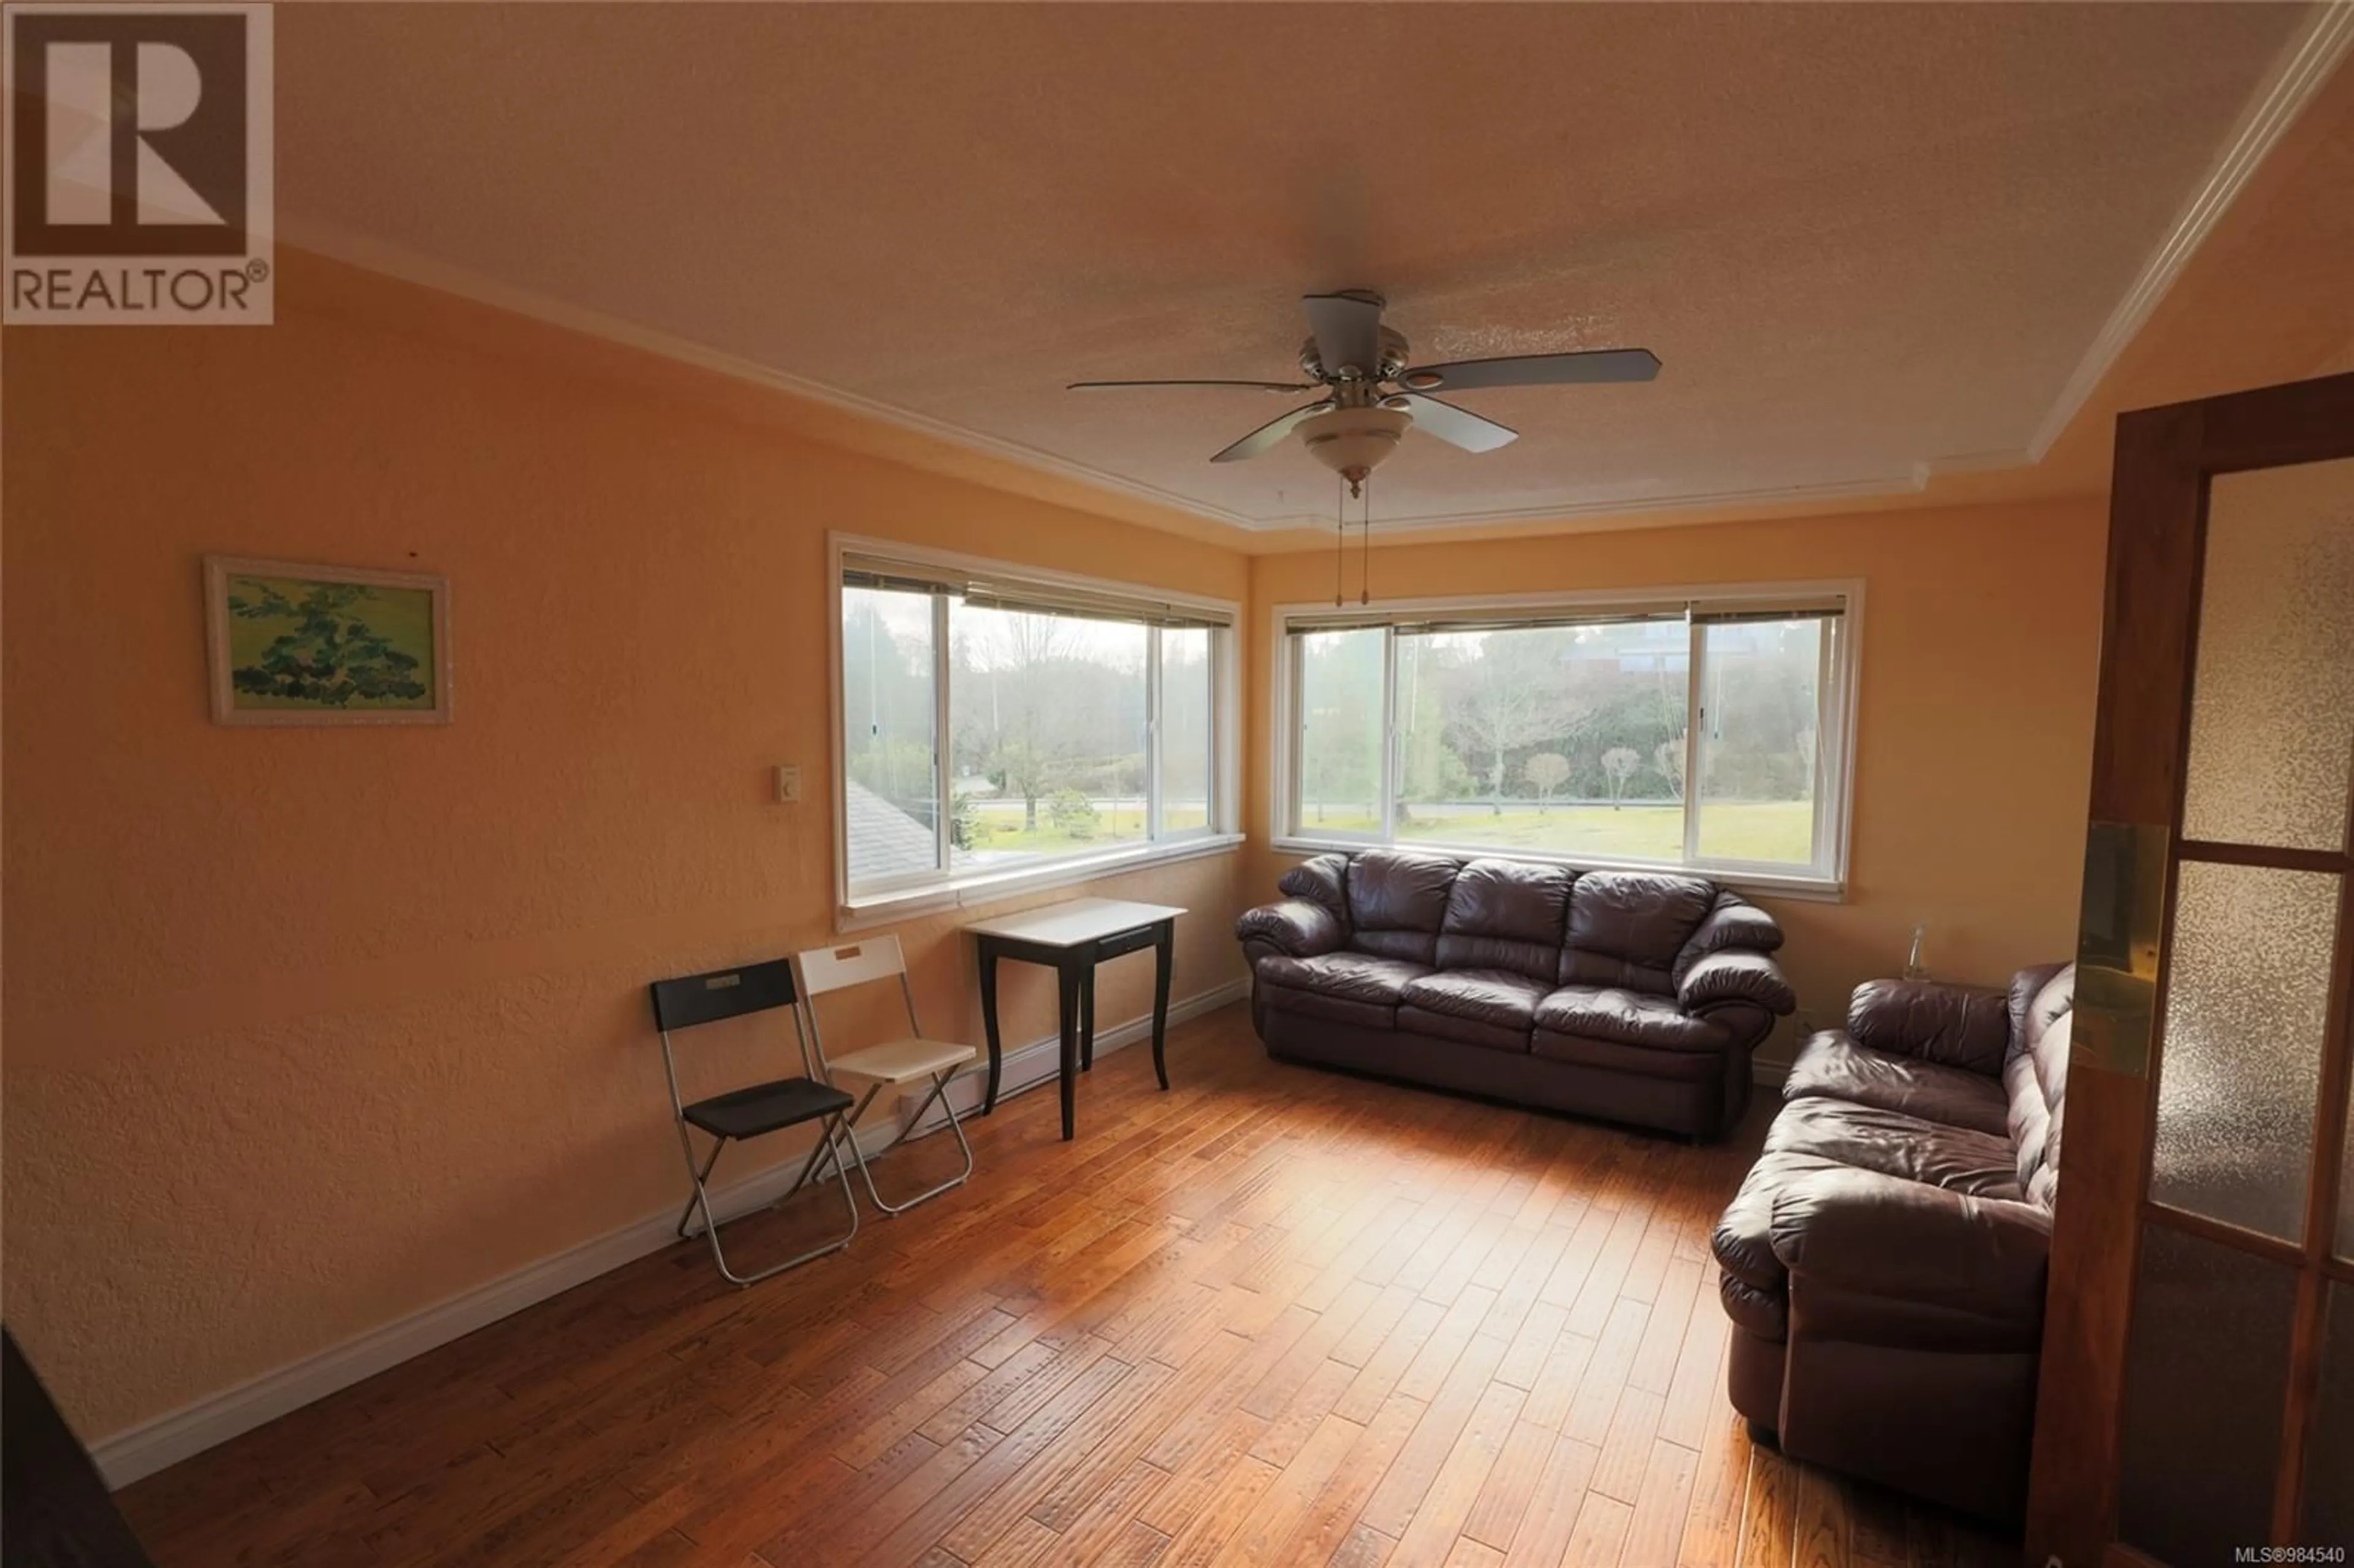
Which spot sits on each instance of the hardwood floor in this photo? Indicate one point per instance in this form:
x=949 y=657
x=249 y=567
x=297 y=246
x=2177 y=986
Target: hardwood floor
x=1273 y=1316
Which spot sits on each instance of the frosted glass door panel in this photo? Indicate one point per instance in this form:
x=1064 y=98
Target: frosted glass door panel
x=2206 y=1373
x=2271 y=705
x=2240 y=1069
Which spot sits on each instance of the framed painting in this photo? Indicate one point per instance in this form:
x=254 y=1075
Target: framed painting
x=299 y=644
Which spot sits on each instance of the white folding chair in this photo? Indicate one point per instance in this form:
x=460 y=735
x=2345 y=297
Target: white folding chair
x=893 y=1062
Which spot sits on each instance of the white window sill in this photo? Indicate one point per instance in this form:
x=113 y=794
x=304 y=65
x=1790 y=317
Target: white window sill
x=1775 y=884
x=865 y=913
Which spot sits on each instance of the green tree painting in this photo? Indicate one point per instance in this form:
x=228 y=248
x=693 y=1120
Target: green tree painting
x=301 y=643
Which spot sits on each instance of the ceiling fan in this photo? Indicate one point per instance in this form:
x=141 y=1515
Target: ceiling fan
x=1371 y=395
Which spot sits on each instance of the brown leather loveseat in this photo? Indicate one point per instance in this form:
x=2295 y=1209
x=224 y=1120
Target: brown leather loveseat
x=1634 y=996
x=1884 y=1262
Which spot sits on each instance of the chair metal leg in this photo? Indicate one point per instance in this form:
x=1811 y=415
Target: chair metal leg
x=699 y=1177
x=829 y=1128
x=940 y=1092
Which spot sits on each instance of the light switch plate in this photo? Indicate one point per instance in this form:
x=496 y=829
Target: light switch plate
x=789 y=786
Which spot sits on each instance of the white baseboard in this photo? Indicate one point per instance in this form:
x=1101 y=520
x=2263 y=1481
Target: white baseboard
x=151 y=1446
x=1027 y=1067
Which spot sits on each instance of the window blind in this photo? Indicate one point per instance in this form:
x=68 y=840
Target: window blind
x=1715 y=612
x=1020 y=596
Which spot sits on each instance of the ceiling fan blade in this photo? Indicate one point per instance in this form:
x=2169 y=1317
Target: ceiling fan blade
x=1348 y=332
x=1268 y=437
x=1260 y=386
x=1457 y=427
x=1534 y=370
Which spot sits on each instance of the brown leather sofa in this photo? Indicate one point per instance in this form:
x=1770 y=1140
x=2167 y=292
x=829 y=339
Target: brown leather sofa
x=1884 y=1262
x=1632 y=996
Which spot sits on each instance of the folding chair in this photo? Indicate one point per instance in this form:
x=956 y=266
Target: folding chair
x=887 y=1065
x=750 y=1112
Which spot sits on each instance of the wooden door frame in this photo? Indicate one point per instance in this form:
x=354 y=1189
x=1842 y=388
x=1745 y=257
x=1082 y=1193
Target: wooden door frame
x=2158 y=519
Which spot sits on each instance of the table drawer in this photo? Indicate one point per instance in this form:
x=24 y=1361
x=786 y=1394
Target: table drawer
x=1125 y=942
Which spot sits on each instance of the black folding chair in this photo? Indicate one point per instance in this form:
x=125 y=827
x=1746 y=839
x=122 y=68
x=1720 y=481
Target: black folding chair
x=751 y=1112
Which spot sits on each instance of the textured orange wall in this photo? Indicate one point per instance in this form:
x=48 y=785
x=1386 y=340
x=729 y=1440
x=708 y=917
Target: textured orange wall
x=1981 y=636
x=307 y=1029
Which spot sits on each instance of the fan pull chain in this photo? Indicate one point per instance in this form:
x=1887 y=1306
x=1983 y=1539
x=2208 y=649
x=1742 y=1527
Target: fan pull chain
x=1339 y=540
x=1365 y=574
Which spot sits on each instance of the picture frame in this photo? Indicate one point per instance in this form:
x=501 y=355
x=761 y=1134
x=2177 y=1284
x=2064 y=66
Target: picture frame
x=295 y=643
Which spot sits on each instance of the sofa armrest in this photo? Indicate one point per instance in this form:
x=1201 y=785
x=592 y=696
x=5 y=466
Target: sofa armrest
x=1735 y=975
x=1868 y=1235
x=1951 y=1026
x=1732 y=924
x=1295 y=926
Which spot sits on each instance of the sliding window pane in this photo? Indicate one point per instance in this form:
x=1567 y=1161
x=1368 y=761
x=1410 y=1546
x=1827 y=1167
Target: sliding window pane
x=1340 y=782
x=889 y=714
x=1185 y=730
x=1567 y=739
x=1761 y=707
x=1048 y=715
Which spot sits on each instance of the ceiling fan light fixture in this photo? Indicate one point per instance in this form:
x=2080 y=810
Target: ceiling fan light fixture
x=1352 y=442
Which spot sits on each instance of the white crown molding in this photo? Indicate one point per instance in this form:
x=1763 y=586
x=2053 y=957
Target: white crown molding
x=142 y=1450
x=2302 y=71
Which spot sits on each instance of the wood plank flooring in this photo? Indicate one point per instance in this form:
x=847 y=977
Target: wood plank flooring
x=1271 y=1317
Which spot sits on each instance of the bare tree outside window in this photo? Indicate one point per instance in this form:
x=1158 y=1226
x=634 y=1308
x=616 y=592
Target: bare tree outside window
x=1619 y=765
x=1668 y=762
x=1546 y=772
x=1510 y=695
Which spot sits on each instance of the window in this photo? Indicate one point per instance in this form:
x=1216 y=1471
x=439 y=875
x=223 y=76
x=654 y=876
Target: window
x=995 y=725
x=1568 y=731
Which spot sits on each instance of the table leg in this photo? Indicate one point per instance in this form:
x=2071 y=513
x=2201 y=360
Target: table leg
x=1066 y=1011
x=1088 y=1019
x=1164 y=958
x=988 y=1022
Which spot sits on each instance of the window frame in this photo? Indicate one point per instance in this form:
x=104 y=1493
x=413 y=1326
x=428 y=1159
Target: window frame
x=890 y=899
x=1838 y=683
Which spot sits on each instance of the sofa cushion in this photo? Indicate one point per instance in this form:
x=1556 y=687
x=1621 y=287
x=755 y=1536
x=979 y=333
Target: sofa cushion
x=1506 y=914
x=1895 y=1144
x=1626 y=927
x=1352 y=977
x=1480 y=1007
x=1833 y=1067
x=1629 y=1060
x=1397 y=899
x=1954 y=1026
x=1627 y=1018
